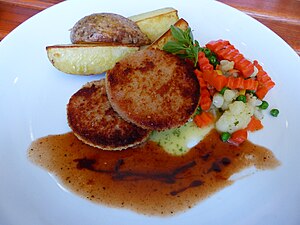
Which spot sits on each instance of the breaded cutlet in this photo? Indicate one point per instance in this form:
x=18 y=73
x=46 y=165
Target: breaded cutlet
x=94 y=122
x=153 y=89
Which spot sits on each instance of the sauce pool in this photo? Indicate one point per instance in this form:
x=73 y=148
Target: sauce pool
x=147 y=179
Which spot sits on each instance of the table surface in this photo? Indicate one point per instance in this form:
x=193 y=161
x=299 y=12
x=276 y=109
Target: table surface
x=281 y=16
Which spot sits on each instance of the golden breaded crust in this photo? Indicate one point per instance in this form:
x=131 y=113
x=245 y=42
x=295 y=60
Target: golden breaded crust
x=93 y=120
x=153 y=89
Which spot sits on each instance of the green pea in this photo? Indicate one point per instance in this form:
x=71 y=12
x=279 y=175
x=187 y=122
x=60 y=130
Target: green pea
x=274 y=112
x=225 y=136
x=213 y=60
x=242 y=98
x=223 y=90
x=207 y=52
x=264 y=105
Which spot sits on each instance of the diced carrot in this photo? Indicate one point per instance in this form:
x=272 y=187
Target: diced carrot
x=205 y=96
x=198 y=72
x=254 y=124
x=265 y=82
x=250 y=84
x=203 y=62
x=205 y=99
x=241 y=83
x=214 y=79
x=261 y=92
x=216 y=45
x=204 y=119
x=225 y=50
x=238 y=137
x=199 y=75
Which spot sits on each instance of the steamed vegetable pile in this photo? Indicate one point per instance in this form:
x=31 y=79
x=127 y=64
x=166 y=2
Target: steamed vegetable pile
x=233 y=88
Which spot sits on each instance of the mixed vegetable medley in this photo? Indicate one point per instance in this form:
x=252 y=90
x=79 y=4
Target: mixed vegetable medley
x=232 y=87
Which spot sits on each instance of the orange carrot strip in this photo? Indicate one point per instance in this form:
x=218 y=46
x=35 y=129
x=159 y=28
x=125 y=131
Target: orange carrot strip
x=241 y=83
x=205 y=100
x=250 y=84
x=254 y=124
x=261 y=92
x=204 y=119
x=265 y=82
x=217 y=45
x=225 y=50
x=199 y=75
x=203 y=62
x=238 y=137
x=214 y=79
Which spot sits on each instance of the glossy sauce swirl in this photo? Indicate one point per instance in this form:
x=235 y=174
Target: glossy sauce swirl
x=146 y=179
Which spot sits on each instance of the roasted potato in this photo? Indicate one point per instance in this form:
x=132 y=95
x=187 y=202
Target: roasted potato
x=157 y=22
x=107 y=28
x=167 y=36
x=102 y=39
x=87 y=59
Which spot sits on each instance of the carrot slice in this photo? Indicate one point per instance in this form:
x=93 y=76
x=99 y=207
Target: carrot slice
x=238 y=137
x=250 y=84
x=254 y=124
x=265 y=82
x=204 y=119
x=199 y=75
x=225 y=50
x=205 y=99
x=203 y=62
x=214 y=79
x=241 y=83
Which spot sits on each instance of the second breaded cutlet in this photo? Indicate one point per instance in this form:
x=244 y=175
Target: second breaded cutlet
x=153 y=89
x=94 y=122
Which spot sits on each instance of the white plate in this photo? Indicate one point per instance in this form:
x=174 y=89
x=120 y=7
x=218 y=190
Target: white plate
x=32 y=104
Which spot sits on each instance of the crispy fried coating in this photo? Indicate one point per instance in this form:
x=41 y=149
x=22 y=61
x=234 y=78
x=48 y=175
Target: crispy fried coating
x=93 y=120
x=153 y=89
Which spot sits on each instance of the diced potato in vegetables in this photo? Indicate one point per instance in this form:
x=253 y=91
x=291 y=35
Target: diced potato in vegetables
x=87 y=59
x=229 y=95
x=157 y=22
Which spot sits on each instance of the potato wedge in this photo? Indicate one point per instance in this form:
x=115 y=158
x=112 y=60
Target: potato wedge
x=157 y=22
x=167 y=36
x=87 y=59
x=108 y=28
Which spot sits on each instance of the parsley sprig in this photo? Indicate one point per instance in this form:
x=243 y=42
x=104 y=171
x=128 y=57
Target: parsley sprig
x=184 y=44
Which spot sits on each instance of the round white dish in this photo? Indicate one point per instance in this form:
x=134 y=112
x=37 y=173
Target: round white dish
x=34 y=95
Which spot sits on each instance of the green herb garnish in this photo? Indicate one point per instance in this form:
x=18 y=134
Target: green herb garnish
x=184 y=45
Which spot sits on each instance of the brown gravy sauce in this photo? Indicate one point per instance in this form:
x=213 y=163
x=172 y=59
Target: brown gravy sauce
x=146 y=179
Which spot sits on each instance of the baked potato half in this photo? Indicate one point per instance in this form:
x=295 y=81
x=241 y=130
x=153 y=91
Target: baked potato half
x=157 y=22
x=87 y=59
x=107 y=28
x=167 y=36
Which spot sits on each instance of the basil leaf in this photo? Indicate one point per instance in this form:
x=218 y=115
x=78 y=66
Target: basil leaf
x=173 y=47
x=184 y=45
x=178 y=34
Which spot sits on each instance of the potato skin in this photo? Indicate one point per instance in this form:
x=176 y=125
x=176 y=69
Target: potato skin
x=109 y=28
